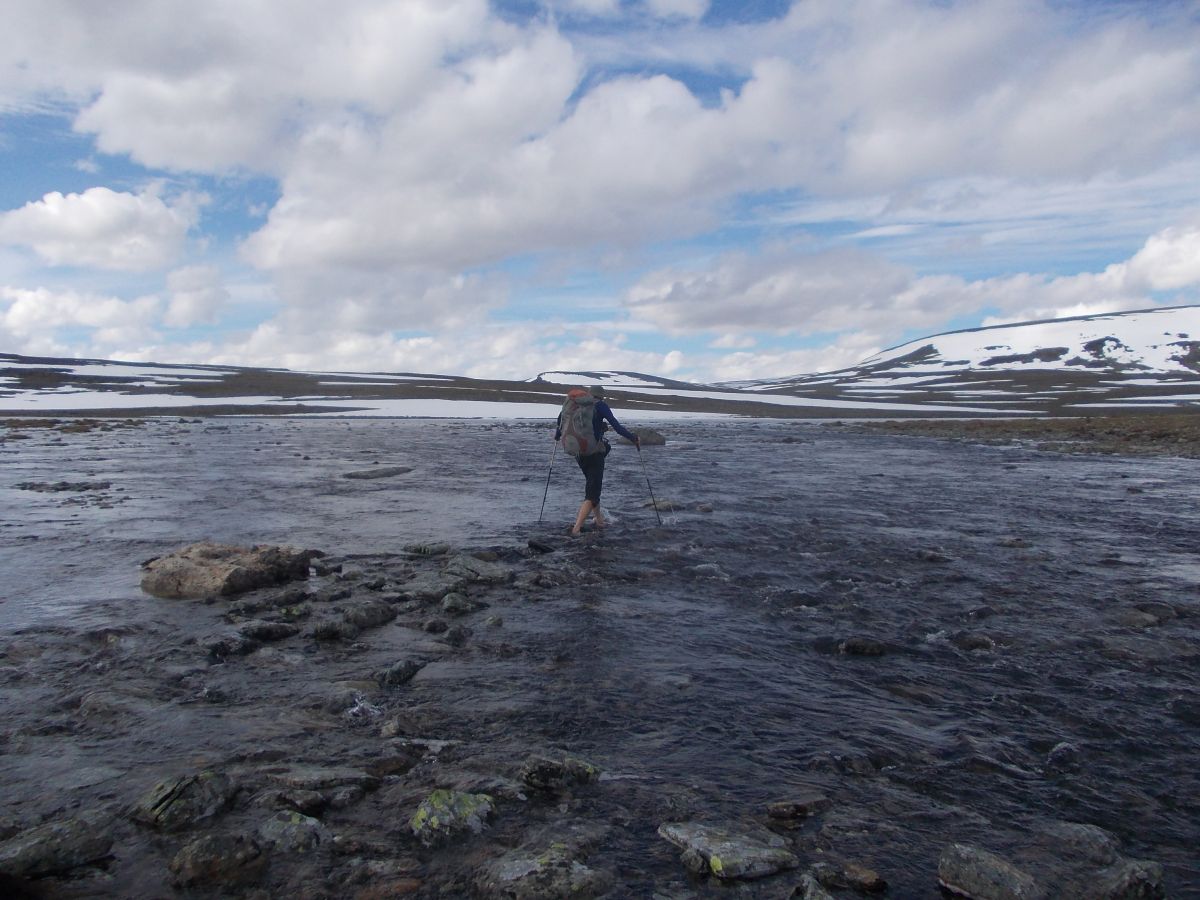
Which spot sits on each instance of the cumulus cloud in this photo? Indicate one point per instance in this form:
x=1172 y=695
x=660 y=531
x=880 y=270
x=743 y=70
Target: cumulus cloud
x=102 y=228
x=787 y=291
x=38 y=316
x=197 y=295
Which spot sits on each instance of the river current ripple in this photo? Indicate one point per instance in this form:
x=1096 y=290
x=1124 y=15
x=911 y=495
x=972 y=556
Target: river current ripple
x=1015 y=602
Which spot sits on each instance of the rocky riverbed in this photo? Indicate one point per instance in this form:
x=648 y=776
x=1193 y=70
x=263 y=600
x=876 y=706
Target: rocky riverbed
x=843 y=663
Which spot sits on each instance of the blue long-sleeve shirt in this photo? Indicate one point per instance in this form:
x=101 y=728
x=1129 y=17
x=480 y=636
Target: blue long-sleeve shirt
x=601 y=413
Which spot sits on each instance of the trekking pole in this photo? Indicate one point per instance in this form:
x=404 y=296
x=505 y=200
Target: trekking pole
x=553 y=450
x=652 y=500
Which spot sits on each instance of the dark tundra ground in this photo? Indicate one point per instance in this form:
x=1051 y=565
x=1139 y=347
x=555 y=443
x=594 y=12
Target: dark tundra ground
x=951 y=641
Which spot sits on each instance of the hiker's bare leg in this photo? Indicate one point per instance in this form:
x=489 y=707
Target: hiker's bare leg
x=584 y=509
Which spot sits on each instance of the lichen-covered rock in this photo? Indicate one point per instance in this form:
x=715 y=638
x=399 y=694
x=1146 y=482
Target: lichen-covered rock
x=540 y=773
x=54 y=847
x=551 y=874
x=219 y=860
x=320 y=778
x=293 y=832
x=972 y=872
x=175 y=804
x=728 y=854
x=218 y=570
x=445 y=814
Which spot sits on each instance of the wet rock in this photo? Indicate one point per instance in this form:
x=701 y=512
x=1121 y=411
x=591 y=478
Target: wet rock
x=293 y=832
x=307 y=802
x=540 y=546
x=1136 y=618
x=58 y=486
x=456 y=604
x=980 y=875
x=1086 y=843
x=862 y=646
x=399 y=673
x=1063 y=757
x=227 y=645
x=541 y=773
x=796 y=809
x=430 y=586
x=728 y=854
x=218 y=860
x=863 y=878
x=436 y=626
x=268 y=631
x=810 y=888
x=446 y=814
x=1129 y=880
x=972 y=640
x=427 y=549
x=934 y=556
x=333 y=630
x=456 y=636
x=369 y=614
x=379 y=472
x=175 y=804
x=320 y=778
x=210 y=570
x=1016 y=543
x=709 y=570
x=550 y=874
x=470 y=568
x=1185 y=709
x=649 y=437
x=55 y=847
x=663 y=505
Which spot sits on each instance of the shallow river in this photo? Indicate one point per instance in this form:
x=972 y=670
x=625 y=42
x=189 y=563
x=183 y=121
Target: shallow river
x=1004 y=602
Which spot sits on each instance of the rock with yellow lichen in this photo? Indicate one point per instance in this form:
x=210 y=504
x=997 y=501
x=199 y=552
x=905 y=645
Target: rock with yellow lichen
x=729 y=854
x=445 y=814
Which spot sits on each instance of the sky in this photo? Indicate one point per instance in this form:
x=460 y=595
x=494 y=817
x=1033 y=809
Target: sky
x=699 y=189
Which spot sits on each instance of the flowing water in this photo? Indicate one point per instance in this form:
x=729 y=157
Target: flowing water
x=914 y=628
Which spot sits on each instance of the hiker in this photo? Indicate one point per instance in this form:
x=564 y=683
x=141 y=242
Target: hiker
x=582 y=436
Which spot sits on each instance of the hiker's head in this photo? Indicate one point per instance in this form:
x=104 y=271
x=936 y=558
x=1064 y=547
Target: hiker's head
x=596 y=391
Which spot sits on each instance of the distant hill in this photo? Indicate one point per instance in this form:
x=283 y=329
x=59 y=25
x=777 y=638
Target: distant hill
x=1088 y=365
x=1080 y=365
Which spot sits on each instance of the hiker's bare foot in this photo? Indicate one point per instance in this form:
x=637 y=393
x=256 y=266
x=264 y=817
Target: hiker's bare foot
x=574 y=532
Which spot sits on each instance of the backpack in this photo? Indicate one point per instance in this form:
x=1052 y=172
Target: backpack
x=575 y=423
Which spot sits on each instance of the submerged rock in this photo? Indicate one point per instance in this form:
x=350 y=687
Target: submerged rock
x=728 y=854
x=799 y=808
x=379 y=472
x=179 y=803
x=399 y=673
x=540 y=773
x=547 y=875
x=219 y=860
x=445 y=814
x=218 y=570
x=369 y=614
x=470 y=568
x=54 y=847
x=973 y=872
x=293 y=832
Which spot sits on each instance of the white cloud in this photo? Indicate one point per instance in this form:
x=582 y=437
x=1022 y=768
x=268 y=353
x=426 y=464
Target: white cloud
x=102 y=228
x=197 y=295
x=36 y=317
x=1170 y=260
x=786 y=291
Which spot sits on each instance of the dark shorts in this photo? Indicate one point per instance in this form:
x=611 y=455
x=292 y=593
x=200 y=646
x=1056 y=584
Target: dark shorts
x=592 y=467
